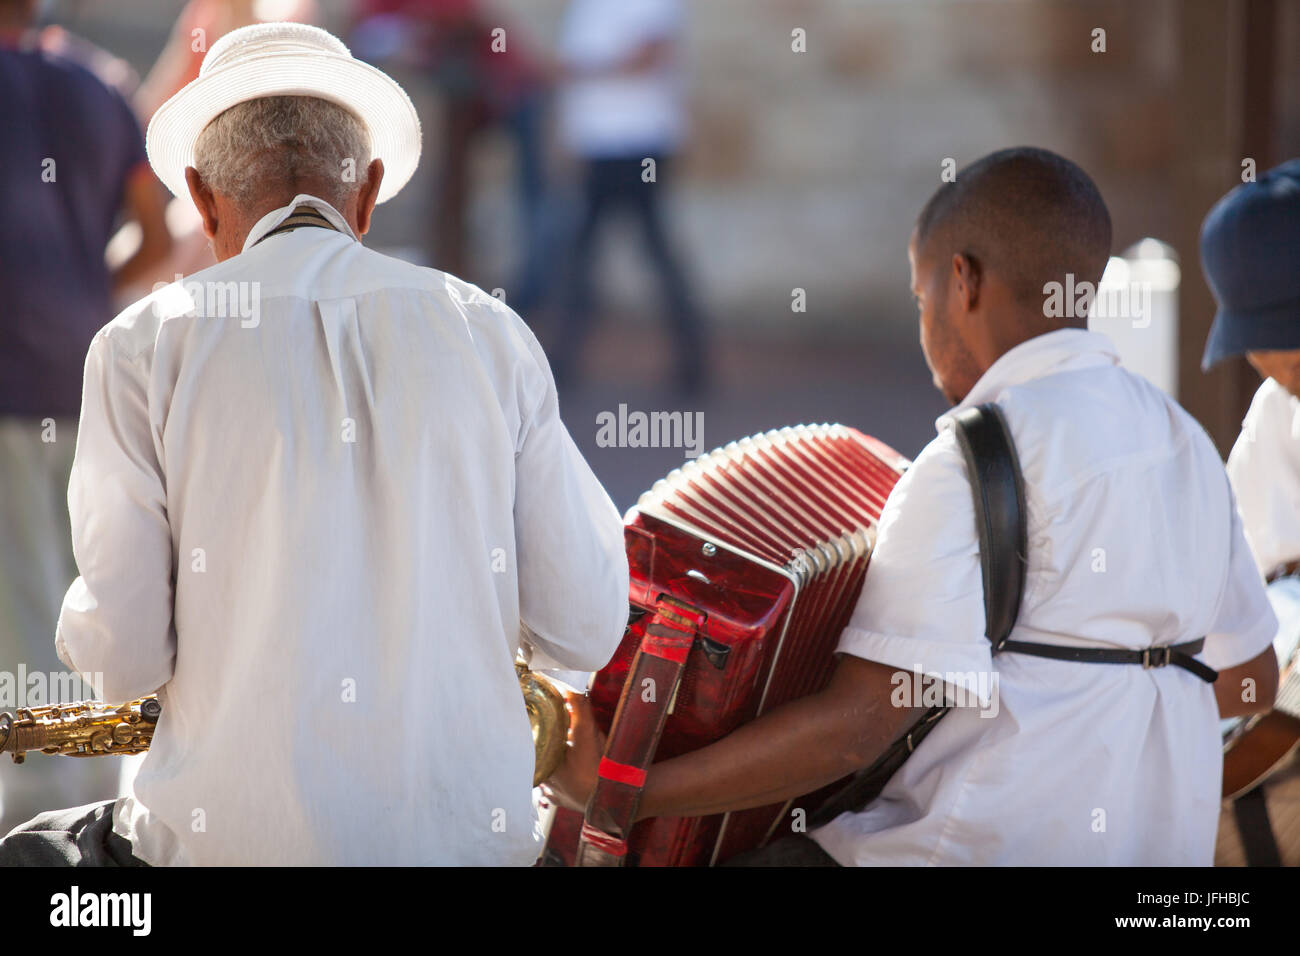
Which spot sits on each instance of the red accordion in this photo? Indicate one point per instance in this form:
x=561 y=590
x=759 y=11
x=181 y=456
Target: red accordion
x=745 y=567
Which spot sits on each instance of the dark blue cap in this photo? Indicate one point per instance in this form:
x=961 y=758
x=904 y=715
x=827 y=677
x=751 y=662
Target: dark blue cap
x=1250 y=248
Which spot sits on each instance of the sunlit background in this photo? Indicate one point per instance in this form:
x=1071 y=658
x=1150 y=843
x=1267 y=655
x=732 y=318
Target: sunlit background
x=803 y=170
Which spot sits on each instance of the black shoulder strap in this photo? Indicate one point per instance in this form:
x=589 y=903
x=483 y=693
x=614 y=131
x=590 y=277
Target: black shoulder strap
x=1000 y=521
x=999 y=491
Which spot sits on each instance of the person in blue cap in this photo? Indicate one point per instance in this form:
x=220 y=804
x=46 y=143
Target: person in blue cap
x=1250 y=248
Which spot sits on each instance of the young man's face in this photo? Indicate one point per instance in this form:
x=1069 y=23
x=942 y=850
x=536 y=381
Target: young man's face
x=945 y=353
x=1283 y=367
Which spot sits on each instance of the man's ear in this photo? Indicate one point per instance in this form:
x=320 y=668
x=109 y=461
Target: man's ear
x=967 y=276
x=367 y=195
x=204 y=201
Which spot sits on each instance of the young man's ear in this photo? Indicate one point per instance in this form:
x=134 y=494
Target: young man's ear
x=204 y=201
x=967 y=275
x=367 y=195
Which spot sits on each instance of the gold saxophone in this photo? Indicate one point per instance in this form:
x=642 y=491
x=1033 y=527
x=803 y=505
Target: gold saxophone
x=91 y=728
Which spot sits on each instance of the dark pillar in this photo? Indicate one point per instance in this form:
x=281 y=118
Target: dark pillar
x=1226 y=113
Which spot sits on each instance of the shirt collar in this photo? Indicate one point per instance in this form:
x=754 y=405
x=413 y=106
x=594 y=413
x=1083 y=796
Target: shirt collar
x=1034 y=358
x=274 y=218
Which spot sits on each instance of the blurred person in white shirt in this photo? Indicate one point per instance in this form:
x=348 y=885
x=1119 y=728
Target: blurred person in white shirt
x=623 y=116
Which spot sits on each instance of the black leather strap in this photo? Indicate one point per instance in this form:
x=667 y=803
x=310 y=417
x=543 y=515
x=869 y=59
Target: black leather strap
x=1000 y=520
x=303 y=216
x=1258 y=841
x=999 y=491
x=1175 y=655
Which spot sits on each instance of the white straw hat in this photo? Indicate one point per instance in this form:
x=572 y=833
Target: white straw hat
x=285 y=59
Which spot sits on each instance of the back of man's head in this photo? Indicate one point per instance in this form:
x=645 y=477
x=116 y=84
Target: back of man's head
x=283 y=145
x=1026 y=215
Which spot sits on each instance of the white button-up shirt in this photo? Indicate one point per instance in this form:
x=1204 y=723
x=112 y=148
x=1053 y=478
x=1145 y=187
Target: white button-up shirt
x=1265 y=470
x=1133 y=541
x=317 y=492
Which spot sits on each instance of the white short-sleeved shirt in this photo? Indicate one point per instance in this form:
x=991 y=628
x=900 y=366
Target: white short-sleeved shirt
x=1133 y=541
x=625 y=114
x=316 y=493
x=1265 y=471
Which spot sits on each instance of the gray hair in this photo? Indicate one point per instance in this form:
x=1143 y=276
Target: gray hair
x=282 y=141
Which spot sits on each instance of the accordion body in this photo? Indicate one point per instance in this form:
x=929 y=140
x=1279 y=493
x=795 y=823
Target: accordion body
x=769 y=539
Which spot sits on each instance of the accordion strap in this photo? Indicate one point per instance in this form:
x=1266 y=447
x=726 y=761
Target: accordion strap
x=647 y=698
x=999 y=491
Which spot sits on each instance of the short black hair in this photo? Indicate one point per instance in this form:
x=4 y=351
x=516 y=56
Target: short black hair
x=1026 y=214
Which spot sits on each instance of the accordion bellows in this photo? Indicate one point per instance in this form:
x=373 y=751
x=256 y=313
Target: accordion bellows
x=770 y=538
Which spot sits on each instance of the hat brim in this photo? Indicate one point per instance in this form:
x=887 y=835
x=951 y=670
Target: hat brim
x=1234 y=332
x=371 y=94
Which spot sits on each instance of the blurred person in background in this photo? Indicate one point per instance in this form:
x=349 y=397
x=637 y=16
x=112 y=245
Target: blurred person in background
x=487 y=79
x=71 y=160
x=200 y=24
x=1249 y=243
x=622 y=105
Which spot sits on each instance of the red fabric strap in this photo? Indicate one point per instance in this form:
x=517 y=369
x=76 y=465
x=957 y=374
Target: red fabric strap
x=621 y=773
x=673 y=649
x=603 y=841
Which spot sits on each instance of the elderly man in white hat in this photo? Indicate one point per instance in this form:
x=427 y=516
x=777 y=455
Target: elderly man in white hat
x=318 y=495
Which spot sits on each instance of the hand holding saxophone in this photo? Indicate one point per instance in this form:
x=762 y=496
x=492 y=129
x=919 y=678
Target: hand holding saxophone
x=571 y=785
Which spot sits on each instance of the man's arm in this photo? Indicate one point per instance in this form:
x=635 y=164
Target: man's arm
x=795 y=749
x=1239 y=644
x=145 y=204
x=1248 y=688
x=116 y=620
x=573 y=573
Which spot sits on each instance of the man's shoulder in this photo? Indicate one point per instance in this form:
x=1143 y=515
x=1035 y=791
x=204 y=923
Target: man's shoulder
x=938 y=476
x=133 y=331
x=1102 y=414
x=92 y=85
x=223 y=290
x=1271 y=404
x=486 y=314
x=136 y=328
x=370 y=270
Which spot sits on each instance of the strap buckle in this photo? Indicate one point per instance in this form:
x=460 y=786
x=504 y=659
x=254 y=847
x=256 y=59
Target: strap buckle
x=1157 y=657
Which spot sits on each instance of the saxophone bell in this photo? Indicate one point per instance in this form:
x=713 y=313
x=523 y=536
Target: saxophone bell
x=549 y=720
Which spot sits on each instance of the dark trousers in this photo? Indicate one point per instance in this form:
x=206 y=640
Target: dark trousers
x=80 y=836
x=797 y=850
x=612 y=187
